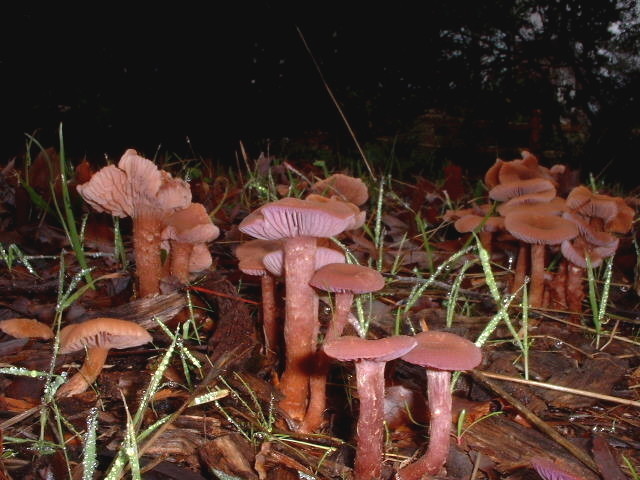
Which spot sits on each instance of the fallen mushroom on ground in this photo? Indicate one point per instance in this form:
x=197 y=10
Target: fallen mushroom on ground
x=97 y=336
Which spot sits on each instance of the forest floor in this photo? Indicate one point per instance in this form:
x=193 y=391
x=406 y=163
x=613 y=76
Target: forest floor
x=202 y=401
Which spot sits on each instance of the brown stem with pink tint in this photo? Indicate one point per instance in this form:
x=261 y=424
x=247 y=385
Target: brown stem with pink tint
x=179 y=258
x=439 y=393
x=536 y=289
x=300 y=324
x=486 y=239
x=87 y=374
x=521 y=267
x=270 y=325
x=370 y=427
x=314 y=417
x=575 y=291
x=146 y=244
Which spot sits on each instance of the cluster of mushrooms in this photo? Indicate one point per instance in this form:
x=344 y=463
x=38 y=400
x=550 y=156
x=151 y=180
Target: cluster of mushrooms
x=288 y=243
x=288 y=234
x=582 y=225
x=163 y=218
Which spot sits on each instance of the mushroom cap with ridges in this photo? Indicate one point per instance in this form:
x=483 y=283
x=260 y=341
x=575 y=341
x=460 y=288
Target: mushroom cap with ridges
x=444 y=351
x=348 y=188
x=529 y=159
x=26 y=328
x=623 y=220
x=517 y=170
x=576 y=250
x=251 y=253
x=527 y=199
x=173 y=194
x=107 y=191
x=491 y=178
x=150 y=188
x=555 y=206
x=578 y=197
x=190 y=225
x=584 y=201
x=273 y=261
x=293 y=217
x=348 y=348
x=359 y=215
x=346 y=277
x=507 y=191
x=102 y=333
x=539 y=229
x=136 y=186
x=549 y=470
x=587 y=231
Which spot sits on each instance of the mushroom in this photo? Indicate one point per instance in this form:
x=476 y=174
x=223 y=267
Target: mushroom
x=250 y=255
x=550 y=470
x=484 y=226
x=136 y=188
x=539 y=230
x=184 y=229
x=344 y=187
x=439 y=353
x=554 y=207
x=26 y=328
x=97 y=335
x=596 y=217
x=298 y=222
x=370 y=357
x=344 y=280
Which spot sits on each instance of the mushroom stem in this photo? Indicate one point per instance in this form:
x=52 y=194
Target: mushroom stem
x=179 y=256
x=269 y=321
x=340 y=315
x=575 y=291
x=369 y=432
x=521 y=267
x=536 y=291
x=486 y=238
x=318 y=399
x=88 y=373
x=438 y=389
x=300 y=324
x=146 y=242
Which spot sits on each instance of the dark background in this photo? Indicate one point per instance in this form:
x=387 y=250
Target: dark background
x=151 y=77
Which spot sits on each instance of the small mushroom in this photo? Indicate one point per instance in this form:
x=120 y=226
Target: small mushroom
x=550 y=470
x=440 y=353
x=250 y=255
x=26 y=328
x=184 y=229
x=370 y=357
x=344 y=280
x=97 y=336
x=344 y=187
x=539 y=230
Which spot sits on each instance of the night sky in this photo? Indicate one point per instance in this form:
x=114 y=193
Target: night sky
x=145 y=77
